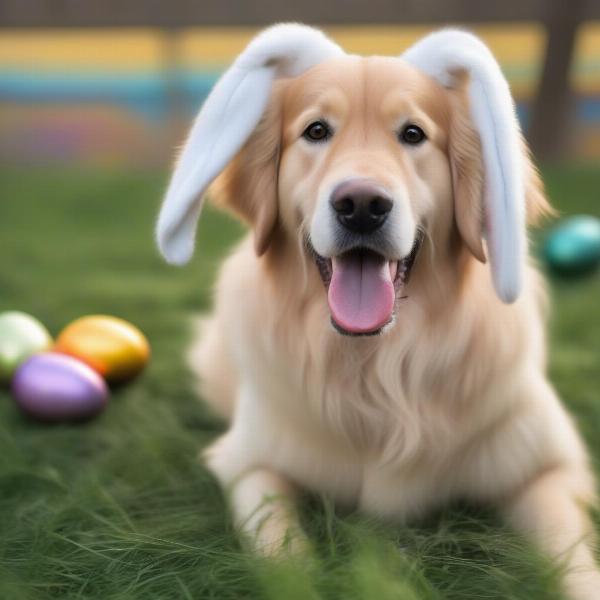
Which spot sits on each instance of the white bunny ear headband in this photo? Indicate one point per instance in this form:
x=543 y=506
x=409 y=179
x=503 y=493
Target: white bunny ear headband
x=441 y=54
x=237 y=102
x=227 y=119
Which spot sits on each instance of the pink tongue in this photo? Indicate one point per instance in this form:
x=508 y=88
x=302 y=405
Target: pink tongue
x=361 y=293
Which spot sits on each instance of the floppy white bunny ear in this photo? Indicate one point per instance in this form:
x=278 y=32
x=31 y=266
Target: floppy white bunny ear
x=441 y=55
x=229 y=115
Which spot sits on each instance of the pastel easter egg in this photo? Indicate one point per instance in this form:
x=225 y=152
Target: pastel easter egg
x=58 y=388
x=113 y=347
x=21 y=335
x=573 y=248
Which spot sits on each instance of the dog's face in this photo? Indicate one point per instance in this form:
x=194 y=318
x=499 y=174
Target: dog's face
x=362 y=159
x=364 y=168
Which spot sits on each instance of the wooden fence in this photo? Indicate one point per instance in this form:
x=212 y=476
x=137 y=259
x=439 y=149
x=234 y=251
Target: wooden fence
x=551 y=118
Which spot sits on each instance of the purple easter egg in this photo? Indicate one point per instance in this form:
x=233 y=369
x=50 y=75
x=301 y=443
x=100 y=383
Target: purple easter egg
x=56 y=387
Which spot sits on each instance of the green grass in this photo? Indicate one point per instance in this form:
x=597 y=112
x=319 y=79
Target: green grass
x=119 y=507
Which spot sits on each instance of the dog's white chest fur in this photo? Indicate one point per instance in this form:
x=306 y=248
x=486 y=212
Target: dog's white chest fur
x=358 y=419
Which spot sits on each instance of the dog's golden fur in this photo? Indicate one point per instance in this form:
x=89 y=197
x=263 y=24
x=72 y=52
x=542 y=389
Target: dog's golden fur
x=451 y=400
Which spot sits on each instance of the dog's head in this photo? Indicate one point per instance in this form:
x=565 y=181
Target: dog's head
x=362 y=157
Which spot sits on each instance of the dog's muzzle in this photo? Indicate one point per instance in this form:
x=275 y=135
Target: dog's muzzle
x=363 y=286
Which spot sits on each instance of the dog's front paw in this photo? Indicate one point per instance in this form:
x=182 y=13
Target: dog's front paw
x=275 y=538
x=583 y=585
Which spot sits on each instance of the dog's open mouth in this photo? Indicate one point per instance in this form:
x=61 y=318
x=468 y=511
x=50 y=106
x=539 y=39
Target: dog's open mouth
x=362 y=288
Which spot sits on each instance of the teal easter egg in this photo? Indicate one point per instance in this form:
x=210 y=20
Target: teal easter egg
x=20 y=336
x=573 y=248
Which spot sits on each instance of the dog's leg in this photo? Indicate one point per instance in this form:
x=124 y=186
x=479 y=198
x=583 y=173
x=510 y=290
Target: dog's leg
x=551 y=510
x=262 y=500
x=263 y=506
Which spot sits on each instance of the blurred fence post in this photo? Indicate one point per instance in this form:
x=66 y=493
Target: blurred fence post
x=175 y=100
x=552 y=113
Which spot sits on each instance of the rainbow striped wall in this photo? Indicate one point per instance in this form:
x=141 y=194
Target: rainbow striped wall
x=102 y=96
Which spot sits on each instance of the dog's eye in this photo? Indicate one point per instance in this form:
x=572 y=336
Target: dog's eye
x=318 y=131
x=411 y=134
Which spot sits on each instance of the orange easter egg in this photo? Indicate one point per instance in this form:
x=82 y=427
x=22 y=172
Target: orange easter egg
x=113 y=347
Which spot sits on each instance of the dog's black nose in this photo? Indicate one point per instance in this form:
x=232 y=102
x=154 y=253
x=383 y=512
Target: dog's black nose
x=360 y=205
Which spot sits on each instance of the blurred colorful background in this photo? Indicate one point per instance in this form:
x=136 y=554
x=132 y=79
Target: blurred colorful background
x=121 y=96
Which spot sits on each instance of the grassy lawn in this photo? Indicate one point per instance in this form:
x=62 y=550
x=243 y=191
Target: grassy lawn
x=119 y=507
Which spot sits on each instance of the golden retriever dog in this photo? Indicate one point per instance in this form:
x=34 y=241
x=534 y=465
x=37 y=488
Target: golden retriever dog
x=379 y=335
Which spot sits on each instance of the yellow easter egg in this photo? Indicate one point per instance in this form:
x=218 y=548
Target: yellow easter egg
x=113 y=347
